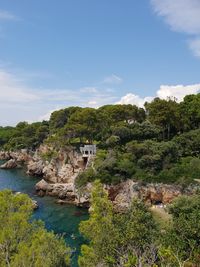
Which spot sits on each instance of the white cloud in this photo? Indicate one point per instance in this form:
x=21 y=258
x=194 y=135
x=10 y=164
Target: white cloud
x=181 y=16
x=92 y=103
x=134 y=100
x=112 y=79
x=5 y=15
x=177 y=91
x=165 y=91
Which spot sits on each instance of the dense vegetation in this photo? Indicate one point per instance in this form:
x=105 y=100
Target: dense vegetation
x=134 y=239
x=24 y=242
x=160 y=143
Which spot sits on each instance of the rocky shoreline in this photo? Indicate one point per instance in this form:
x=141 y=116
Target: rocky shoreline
x=59 y=173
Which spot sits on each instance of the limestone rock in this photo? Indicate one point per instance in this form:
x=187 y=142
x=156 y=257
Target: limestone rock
x=50 y=173
x=10 y=164
x=42 y=185
x=123 y=194
x=35 y=168
x=4 y=155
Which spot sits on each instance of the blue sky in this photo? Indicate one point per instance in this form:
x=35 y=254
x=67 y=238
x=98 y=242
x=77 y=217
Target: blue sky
x=55 y=54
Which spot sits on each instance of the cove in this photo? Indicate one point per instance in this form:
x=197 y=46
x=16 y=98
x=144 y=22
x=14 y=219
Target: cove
x=62 y=219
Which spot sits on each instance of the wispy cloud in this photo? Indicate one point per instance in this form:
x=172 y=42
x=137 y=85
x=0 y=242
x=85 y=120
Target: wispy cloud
x=20 y=101
x=182 y=16
x=5 y=15
x=112 y=79
x=195 y=46
x=11 y=90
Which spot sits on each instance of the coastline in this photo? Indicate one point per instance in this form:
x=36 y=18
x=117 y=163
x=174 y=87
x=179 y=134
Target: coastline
x=58 y=176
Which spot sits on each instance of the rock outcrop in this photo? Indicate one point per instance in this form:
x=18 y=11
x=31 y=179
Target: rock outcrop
x=60 y=172
x=35 y=168
x=10 y=164
x=4 y=155
x=123 y=194
x=14 y=159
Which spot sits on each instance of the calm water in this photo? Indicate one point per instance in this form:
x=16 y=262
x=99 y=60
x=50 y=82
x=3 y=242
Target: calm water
x=61 y=219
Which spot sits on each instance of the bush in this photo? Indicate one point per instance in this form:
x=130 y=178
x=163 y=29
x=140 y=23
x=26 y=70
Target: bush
x=24 y=242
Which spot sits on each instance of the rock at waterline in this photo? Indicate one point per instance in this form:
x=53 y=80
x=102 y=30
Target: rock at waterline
x=10 y=164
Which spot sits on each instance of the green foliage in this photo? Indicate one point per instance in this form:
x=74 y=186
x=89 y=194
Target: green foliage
x=59 y=118
x=26 y=243
x=148 y=145
x=99 y=229
x=133 y=238
x=117 y=239
x=182 y=240
x=164 y=113
x=25 y=135
x=49 y=155
x=5 y=134
x=190 y=113
x=85 y=177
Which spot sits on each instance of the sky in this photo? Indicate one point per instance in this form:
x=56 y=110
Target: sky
x=55 y=54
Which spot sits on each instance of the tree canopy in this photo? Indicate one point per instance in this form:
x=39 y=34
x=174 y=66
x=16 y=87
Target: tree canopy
x=24 y=242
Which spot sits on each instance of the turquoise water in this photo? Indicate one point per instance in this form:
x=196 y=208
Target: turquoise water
x=61 y=219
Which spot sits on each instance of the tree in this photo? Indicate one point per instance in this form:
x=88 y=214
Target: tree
x=182 y=241
x=24 y=242
x=99 y=230
x=123 y=113
x=164 y=113
x=83 y=124
x=117 y=239
x=190 y=112
x=59 y=118
x=137 y=237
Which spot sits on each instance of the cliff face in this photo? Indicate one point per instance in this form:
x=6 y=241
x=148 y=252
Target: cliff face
x=122 y=194
x=59 y=175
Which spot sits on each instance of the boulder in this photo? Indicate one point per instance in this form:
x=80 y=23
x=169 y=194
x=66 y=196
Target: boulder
x=50 y=173
x=4 y=155
x=10 y=164
x=35 y=168
x=42 y=185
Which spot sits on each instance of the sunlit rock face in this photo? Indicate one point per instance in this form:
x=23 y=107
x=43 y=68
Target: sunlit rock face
x=123 y=193
x=10 y=164
x=58 y=175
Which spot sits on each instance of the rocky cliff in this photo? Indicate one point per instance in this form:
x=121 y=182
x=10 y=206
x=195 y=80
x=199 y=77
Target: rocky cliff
x=58 y=172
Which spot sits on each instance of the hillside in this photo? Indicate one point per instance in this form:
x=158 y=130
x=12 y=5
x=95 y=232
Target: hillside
x=160 y=143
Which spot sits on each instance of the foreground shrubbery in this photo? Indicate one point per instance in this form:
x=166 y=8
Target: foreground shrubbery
x=24 y=242
x=134 y=239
